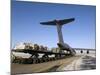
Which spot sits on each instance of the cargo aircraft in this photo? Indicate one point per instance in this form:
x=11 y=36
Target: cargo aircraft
x=59 y=23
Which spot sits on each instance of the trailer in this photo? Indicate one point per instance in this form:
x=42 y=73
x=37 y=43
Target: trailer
x=35 y=56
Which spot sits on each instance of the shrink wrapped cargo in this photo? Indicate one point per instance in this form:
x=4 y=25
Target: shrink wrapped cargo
x=19 y=46
x=45 y=48
x=36 y=47
x=41 y=48
x=55 y=50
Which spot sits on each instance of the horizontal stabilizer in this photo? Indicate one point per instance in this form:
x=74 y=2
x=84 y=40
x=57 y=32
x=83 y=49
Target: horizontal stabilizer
x=60 y=22
x=48 y=23
x=65 y=21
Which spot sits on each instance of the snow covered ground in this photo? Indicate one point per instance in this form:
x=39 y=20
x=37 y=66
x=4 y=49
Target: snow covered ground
x=85 y=62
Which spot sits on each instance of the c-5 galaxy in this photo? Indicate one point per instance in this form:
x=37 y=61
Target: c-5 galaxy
x=59 y=23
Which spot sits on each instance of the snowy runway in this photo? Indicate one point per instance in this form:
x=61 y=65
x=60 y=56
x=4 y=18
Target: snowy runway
x=85 y=62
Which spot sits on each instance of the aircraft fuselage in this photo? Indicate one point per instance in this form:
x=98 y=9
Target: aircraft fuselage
x=59 y=24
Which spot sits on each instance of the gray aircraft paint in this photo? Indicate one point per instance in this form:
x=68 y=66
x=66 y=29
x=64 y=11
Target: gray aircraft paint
x=59 y=24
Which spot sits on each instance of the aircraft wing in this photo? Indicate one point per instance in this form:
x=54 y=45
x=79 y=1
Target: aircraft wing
x=64 y=21
x=48 y=23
